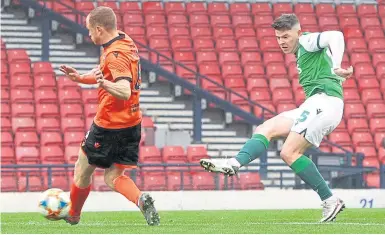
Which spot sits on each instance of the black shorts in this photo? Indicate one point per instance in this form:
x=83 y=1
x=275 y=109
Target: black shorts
x=104 y=147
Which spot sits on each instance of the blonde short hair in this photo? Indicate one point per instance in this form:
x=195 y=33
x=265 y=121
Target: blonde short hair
x=102 y=16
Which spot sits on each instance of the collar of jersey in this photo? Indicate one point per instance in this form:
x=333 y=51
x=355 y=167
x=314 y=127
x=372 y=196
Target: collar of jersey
x=121 y=36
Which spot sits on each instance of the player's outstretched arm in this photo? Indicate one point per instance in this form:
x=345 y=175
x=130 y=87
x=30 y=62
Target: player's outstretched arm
x=73 y=74
x=336 y=43
x=120 y=89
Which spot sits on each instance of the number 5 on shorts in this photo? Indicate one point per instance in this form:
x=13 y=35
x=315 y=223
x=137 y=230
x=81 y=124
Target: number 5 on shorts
x=302 y=117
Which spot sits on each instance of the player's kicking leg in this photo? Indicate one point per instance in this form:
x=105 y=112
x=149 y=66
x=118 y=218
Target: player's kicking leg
x=116 y=180
x=278 y=126
x=80 y=188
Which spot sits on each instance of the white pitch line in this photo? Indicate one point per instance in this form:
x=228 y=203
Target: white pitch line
x=85 y=224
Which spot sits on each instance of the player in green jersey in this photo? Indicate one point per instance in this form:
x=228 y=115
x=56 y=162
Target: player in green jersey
x=319 y=57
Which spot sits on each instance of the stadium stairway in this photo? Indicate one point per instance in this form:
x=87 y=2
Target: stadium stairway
x=157 y=99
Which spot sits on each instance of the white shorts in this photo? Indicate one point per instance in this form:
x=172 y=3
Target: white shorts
x=318 y=116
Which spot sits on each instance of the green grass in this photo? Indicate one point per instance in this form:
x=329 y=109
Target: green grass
x=361 y=221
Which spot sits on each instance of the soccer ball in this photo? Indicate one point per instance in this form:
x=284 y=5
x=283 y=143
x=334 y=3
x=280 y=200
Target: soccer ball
x=54 y=204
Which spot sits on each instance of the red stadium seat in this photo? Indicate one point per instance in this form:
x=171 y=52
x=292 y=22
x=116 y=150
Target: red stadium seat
x=368 y=151
x=177 y=20
x=9 y=183
x=30 y=183
x=366 y=83
x=71 y=110
x=341 y=138
x=6 y=124
x=282 y=95
x=357 y=45
x=261 y=9
x=47 y=124
x=53 y=154
x=147 y=153
x=373 y=33
x=375 y=45
x=7 y=154
x=51 y=139
x=46 y=96
x=130 y=7
x=175 y=181
x=228 y=58
x=40 y=68
x=279 y=83
x=23 y=110
x=357 y=125
x=47 y=110
x=29 y=138
x=21 y=95
x=72 y=124
x=27 y=154
x=354 y=110
x=371 y=95
x=174 y=8
x=6 y=139
x=23 y=124
x=375 y=110
x=256 y=84
x=282 y=8
x=352 y=95
x=366 y=10
x=71 y=154
x=44 y=81
x=262 y=21
x=377 y=125
x=64 y=83
x=154 y=183
x=6 y=110
x=173 y=153
x=71 y=95
x=21 y=81
x=362 y=139
x=203 y=181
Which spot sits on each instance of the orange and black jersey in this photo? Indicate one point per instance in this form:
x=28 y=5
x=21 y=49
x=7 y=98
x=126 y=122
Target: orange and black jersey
x=119 y=60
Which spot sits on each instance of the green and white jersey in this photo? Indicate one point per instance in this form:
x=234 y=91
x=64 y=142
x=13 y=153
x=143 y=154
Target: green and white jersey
x=315 y=67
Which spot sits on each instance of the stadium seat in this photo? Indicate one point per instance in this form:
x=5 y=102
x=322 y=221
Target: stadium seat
x=262 y=20
x=173 y=153
x=375 y=110
x=371 y=96
x=51 y=139
x=375 y=45
x=365 y=83
x=98 y=183
x=362 y=139
x=354 y=110
x=27 y=154
x=21 y=95
x=71 y=154
x=21 y=81
x=69 y=95
x=250 y=181
x=40 y=68
x=365 y=10
x=357 y=45
x=368 y=151
x=47 y=110
x=176 y=183
x=177 y=20
x=23 y=110
x=264 y=112
x=53 y=154
x=154 y=183
x=46 y=95
x=6 y=139
x=341 y=138
x=26 y=139
x=23 y=124
x=6 y=124
x=47 y=124
x=30 y=183
x=203 y=181
x=71 y=110
x=72 y=124
x=378 y=139
x=373 y=180
x=17 y=55
x=377 y=125
x=276 y=83
x=9 y=183
x=364 y=70
x=57 y=181
x=90 y=110
x=90 y=96
x=282 y=95
x=373 y=33
x=357 y=125
x=7 y=154
x=147 y=153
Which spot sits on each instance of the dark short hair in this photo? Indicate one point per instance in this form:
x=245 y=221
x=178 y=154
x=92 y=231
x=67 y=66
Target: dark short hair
x=104 y=17
x=285 y=22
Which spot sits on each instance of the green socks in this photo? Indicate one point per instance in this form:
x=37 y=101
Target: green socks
x=252 y=149
x=308 y=172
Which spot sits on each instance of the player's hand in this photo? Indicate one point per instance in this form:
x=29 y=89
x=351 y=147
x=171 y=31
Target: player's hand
x=70 y=72
x=344 y=73
x=97 y=73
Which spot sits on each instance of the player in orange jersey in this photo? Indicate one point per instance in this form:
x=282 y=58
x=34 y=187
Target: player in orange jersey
x=112 y=143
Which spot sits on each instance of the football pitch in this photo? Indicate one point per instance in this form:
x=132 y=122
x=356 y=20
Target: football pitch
x=359 y=221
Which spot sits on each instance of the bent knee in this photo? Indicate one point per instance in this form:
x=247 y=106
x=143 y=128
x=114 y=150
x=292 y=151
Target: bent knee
x=290 y=155
x=110 y=176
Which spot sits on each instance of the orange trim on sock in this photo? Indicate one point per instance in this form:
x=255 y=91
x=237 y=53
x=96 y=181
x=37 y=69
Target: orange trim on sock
x=125 y=186
x=125 y=166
